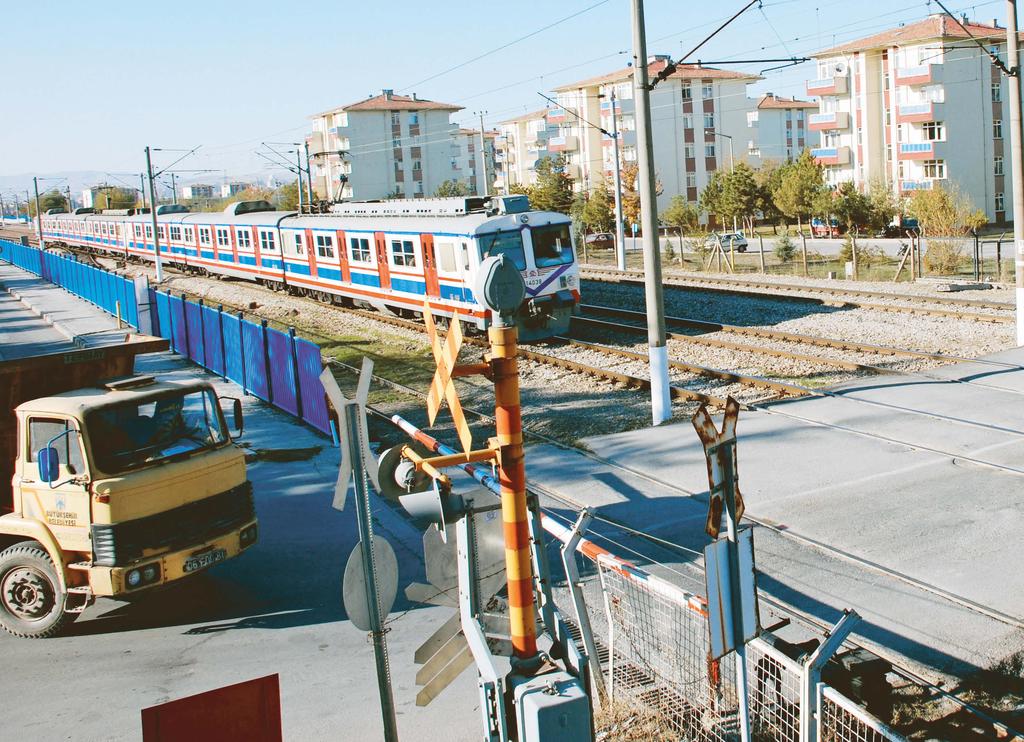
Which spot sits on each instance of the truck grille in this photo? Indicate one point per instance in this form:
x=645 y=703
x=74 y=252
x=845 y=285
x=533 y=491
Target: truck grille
x=121 y=543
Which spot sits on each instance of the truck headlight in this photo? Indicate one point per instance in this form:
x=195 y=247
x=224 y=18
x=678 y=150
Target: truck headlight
x=247 y=537
x=142 y=576
x=134 y=578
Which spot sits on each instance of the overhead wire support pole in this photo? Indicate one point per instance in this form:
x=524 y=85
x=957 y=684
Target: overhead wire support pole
x=484 y=190
x=39 y=218
x=309 y=178
x=661 y=403
x=1017 y=164
x=620 y=228
x=152 y=217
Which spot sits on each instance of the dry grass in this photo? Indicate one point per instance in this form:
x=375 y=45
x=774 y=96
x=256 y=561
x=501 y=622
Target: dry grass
x=621 y=721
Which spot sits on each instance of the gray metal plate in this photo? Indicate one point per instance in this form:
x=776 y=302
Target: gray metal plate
x=353 y=586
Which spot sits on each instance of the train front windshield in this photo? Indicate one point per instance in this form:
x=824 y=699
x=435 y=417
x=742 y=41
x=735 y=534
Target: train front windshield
x=509 y=244
x=552 y=245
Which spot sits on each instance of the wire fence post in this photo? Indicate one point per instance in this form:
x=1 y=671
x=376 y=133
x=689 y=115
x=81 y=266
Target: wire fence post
x=572 y=576
x=810 y=711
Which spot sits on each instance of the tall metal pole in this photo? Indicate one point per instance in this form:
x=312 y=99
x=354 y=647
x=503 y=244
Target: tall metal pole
x=483 y=191
x=661 y=403
x=152 y=216
x=142 y=188
x=380 y=649
x=620 y=230
x=1017 y=176
x=309 y=179
x=174 y=188
x=39 y=218
x=71 y=206
x=298 y=171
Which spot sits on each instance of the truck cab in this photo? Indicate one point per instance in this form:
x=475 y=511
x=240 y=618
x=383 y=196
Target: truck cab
x=117 y=488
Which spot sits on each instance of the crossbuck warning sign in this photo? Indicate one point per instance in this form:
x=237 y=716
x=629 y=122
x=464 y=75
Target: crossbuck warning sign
x=442 y=388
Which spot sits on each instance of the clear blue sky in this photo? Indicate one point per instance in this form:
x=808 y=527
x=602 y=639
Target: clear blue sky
x=88 y=85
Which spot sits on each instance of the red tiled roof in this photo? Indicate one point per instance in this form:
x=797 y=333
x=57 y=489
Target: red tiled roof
x=532 y=116
x=776 y=101
x=392 y=102
x=683 y=72
x=932 y=27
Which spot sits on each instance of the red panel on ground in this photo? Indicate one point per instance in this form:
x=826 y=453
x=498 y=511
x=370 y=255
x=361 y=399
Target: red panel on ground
x=244 y=712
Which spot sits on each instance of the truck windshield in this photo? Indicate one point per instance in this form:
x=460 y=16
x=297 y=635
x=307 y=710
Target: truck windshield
x=504 y=243
x=133 y=434
x=552 y=245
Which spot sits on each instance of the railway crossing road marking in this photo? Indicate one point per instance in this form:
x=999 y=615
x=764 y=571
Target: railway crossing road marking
x=442 y=387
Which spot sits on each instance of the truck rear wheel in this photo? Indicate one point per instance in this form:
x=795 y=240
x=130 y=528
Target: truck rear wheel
x=31 y=600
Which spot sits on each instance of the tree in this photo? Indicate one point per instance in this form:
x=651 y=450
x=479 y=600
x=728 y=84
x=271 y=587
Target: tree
x=945 y=212
x=784 y=248
x=597 y=213
x=768 y=178
x=53 y=199
x=553 y=189
x=713 y=196
x=286 y=197
x=680 y=214
x=739 y=194
x=451 y=189
x=885 y=205
x=630 y=195
x=800 y=185
x=112 y=197
x=851 y=207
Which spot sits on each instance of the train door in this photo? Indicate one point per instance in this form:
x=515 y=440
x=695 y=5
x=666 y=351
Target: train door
x=310 y=248
x=382 y=260
x=430 y=265
x=256 y=251
x=346 y=272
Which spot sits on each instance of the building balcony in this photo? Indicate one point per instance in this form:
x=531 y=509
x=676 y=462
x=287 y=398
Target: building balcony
x=909 y=186
x=916 y=112
x=828 y=121
x=831 y=155
x=827 y=86
x=920 y=75
x=559 y=115
x=563 y=144
x=918 y=151
x=626 y=139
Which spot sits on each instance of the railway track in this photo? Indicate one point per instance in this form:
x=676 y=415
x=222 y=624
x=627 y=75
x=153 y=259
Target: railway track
x=834 y=297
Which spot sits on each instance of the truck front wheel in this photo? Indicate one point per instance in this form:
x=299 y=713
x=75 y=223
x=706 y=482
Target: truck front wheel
x=31 y=600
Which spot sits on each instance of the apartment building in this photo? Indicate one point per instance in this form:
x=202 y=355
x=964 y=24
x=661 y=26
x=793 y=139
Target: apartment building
x=521 y=144
x=197 y=190
x=698 y=124
x=914 y=106
x=234 y=188
x=385 y=145
x=466 y=161
x=777 y=128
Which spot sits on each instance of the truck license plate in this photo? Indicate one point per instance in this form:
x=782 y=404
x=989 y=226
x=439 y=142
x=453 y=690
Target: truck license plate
x=202 y=561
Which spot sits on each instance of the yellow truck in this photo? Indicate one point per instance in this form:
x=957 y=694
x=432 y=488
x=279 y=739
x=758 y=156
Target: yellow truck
x=110 y=484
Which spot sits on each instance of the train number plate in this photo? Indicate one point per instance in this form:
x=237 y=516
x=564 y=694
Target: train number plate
x=202 y=561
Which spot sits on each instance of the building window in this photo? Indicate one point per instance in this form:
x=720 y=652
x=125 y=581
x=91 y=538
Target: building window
x=396 y=118
x=359 y=250
x=691 y=180
x=244 y=238
x=687 y=91
x=687 y=121
x=1000 y=206
x=688 y=151
x=403 y=253
x=709 y=150
x=997 y=165
x=707 y=90
x=300 y=245
x=223 y=239
x=266 y=240
x=325 y=246
x=396 y=143
x=997 y=129
x=709 y=121
x=934 y=131
x=414 y=118
x=901 y=170
x=934 y=169
x=417 y=164
x=900 y=132
x=997 y=92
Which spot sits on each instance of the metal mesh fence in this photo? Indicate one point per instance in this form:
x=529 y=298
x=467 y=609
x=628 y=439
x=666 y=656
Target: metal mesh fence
x=773 y=688
x=657 y=657
x=839 y=719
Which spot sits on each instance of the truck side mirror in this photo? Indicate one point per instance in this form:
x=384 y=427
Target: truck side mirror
x=49 y=464
x=236 y=415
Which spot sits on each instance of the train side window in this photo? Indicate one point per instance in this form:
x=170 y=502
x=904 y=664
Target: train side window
x=403 y=253
x=324 y=246
x=176 y=234
x=300 y=245
x=465 y=256
x=267 y=240
x=445 y=252
x=223 y=239
x=244 y=238
x=359 y=250
x=149 y=232
x=204 y=236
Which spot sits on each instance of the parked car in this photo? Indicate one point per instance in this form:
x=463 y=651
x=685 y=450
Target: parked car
x=600 y=239
x=820 y=229
x=728 y=241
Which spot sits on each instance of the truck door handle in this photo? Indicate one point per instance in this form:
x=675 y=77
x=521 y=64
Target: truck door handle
x=28 y=481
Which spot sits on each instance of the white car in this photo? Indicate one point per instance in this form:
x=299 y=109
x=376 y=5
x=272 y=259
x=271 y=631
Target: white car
x=728 y=241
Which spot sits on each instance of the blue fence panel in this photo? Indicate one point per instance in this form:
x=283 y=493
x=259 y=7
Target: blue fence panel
x=213 y=351
x=282 y=371
x=194 y=323
x=234 y=363
x=314 y=405
x=162 y=305
x=254 y=354
x=179 y=337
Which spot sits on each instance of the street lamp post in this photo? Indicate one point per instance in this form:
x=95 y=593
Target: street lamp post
x=620 y=237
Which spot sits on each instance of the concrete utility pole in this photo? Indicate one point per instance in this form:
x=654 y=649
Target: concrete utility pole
x=484 y=189
x=309 y=179
x=1017 y=155
x=620 y=230
x=661 y=402
x=39 y=218
x=152 y=216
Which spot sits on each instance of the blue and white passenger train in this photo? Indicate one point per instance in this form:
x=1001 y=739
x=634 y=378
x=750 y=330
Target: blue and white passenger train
x=390 y=255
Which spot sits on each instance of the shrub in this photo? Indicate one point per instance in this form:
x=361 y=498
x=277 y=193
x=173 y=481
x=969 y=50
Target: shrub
x=944 y=257
x=785 y=250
